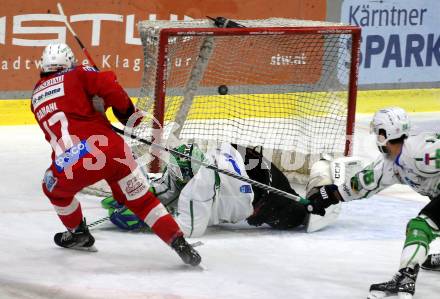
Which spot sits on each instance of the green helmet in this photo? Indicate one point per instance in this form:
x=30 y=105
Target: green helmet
x=182 y=168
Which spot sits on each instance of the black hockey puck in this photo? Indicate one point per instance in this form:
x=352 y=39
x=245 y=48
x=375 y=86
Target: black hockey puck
x=222 y=89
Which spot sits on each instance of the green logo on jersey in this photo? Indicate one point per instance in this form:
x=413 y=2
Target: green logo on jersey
x=366 y=176
x=428 y=158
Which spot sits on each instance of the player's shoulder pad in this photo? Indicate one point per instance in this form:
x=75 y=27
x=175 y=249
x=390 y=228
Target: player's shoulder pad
x=424 y=149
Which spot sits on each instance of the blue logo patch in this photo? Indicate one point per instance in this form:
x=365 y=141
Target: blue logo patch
x=245 y=189
x=71 y=156
x=49 y=180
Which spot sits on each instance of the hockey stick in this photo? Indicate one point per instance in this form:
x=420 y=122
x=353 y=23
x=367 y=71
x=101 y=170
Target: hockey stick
x=98 y=222
x=222 y=22
x=215 y=168
x=83 y=48
x=207 y=165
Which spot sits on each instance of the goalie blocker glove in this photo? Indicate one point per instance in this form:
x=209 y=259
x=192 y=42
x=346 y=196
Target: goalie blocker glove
x=321 y=198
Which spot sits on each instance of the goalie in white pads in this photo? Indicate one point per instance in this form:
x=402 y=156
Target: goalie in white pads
x=410 y=160
x=200 y=197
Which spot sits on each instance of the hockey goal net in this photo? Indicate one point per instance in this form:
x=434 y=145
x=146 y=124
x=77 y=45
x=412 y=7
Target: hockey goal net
x=287 y=86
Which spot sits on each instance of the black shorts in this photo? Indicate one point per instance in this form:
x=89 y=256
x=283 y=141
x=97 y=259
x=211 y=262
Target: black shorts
x=432 y=210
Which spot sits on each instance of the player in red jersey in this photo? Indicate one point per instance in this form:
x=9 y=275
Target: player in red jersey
x=85 y=150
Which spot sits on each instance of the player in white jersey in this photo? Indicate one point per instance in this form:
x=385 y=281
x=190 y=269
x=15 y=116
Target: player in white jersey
x=405 y=159
x=200 y=197
x=207 y=197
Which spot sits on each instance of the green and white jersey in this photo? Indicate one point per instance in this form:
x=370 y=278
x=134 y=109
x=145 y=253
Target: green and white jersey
x=201 y=197
x=177 y=174
x=418 y=166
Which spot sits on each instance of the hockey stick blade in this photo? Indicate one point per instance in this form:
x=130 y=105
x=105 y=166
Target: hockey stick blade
x=197 y=244
x=88 y=249
x=222 y=22
x=383 y=295
x=376 y=295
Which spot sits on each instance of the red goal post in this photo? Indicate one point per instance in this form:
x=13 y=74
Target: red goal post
x=277 y=84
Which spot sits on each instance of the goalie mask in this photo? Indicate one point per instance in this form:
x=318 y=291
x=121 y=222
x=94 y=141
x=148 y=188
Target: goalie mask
x=57 y=57
x=389 y=124
x=182 y=168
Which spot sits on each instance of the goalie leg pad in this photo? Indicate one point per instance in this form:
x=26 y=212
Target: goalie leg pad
x=320 y=175
x=126 y=220
x=111 y=203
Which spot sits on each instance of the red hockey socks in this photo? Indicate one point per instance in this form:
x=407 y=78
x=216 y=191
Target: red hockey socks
x=69 y=211
x=154 y=214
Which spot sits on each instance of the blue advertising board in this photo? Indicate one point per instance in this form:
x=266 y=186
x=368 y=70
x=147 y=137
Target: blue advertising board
x=400 y=39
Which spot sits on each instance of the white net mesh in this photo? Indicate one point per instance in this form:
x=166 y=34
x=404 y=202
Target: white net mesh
x=285 y=92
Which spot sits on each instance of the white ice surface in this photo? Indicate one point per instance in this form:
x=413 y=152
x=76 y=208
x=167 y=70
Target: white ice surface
x=363 y=247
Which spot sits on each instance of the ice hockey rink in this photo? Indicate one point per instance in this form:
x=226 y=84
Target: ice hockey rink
x=341 y=261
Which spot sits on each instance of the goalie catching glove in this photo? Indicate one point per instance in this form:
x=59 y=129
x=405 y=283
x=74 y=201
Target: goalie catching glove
x=322 y=197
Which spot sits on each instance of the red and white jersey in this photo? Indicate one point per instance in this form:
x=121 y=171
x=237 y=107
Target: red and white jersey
x=62 y=105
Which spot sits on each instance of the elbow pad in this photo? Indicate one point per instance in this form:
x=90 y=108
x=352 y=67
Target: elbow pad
x=125 y=117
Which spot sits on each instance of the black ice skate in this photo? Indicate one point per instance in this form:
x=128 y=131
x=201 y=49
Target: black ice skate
x=403 y=284
x=186 y=252
x=80 y=238
x=432 y=262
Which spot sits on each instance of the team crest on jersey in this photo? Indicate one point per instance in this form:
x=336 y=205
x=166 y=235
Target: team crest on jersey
x=49 y=180
x=134 y=185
